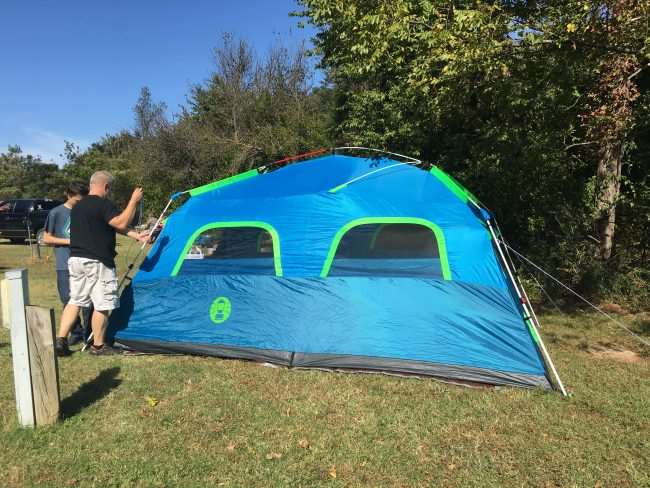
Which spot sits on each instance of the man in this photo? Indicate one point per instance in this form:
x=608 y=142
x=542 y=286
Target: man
x=57 y=234
x=93 y=223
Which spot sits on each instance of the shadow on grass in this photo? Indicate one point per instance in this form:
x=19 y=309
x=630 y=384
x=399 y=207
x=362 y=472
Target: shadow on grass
x=90 y=392
x=644 y=327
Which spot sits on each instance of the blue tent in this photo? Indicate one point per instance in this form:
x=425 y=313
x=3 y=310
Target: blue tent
x=335 y=262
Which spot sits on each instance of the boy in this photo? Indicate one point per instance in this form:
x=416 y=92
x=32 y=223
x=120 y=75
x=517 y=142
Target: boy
x=57 y=234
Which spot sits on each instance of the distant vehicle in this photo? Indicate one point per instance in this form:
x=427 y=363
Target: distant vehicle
x=24 y=218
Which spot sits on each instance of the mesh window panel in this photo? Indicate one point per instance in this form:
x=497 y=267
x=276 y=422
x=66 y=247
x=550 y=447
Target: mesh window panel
x=232 y=250
x=387 y=250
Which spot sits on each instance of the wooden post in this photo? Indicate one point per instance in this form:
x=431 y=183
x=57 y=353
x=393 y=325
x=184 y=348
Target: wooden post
x=4 y=300
x=18 y=298
x=43 y=362
x=34 y=360
x=33 y=243
x=36 y=251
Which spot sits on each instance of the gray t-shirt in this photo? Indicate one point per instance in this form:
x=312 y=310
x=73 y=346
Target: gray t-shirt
x=58 y=224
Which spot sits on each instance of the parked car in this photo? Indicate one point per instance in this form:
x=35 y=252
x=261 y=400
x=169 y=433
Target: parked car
x=23 y=219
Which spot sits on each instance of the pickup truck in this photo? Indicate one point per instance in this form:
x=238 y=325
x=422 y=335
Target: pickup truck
x=23 y=219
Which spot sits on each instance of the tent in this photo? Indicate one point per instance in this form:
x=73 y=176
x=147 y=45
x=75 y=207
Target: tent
x=340 y=262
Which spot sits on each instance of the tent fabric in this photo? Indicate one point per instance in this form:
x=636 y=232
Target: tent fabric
x=448 y=313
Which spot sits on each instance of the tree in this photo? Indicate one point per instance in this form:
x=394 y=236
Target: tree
x=149 y=115
x=27 y=176
x=259 y=108
x=113 y=153
x=532 y=104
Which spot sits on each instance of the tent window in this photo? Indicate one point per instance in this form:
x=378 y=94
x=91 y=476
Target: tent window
x=230 y=250
x=387 y=250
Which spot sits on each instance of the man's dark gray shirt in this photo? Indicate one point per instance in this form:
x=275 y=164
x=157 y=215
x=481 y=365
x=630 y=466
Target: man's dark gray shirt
x=58 y=225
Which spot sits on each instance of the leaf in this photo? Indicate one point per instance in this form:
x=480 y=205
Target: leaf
x=332 y=472
x=304 y=443
x=152 y=401
x=273 y=455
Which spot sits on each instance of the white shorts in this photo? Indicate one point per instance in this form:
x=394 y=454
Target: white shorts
x=92 y=282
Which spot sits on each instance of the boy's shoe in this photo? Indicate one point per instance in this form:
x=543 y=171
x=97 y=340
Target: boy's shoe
x=75 y=339
x=61 y=347
x=76 y=334
x=104 y=350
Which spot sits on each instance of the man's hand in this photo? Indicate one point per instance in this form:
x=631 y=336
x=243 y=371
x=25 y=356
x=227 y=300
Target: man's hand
x=137 y=194
x=142 y=237
x=138 y=236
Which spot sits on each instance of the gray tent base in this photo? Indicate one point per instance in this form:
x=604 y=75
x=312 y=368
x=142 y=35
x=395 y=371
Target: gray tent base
x=445 y=372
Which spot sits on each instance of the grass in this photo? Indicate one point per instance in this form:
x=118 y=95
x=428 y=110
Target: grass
x=193 y=421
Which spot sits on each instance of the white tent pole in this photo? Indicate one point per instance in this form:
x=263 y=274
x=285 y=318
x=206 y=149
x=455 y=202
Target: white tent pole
x=527 y=309
x=521 y=285
x=353 y=180
x=375 y=150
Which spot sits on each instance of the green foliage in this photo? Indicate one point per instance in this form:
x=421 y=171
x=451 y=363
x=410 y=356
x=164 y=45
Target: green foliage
x=149 y=116
x=521 y=101
x=250 y=111
x=504 y=95
x=112 y=153
x=24 y=175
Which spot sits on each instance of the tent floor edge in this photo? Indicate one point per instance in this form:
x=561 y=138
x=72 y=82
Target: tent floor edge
x=444 y=372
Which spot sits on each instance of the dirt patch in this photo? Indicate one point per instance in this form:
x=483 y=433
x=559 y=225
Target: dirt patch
x=610 y=307
x=624 y=356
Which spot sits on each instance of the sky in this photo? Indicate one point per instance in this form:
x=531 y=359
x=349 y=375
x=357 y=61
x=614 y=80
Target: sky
x=73 y=69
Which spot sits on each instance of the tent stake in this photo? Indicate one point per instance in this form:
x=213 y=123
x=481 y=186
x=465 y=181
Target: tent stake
x=527 y=309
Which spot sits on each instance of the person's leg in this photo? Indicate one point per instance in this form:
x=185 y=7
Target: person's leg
x=68 y=318
x=63 y=285
x=105 y=298
x=80 y=286
x=99 y=323
x=86 y=314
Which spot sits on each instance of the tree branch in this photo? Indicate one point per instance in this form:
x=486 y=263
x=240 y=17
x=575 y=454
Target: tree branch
x=579 y=144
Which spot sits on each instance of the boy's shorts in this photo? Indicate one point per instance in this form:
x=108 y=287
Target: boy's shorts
x=91 y=281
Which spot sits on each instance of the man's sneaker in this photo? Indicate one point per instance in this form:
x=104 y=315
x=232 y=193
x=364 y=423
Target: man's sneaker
x=104 y=350
x=61 y=347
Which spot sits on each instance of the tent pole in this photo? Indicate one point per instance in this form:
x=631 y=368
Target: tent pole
x=521 y=285
x=527 y=309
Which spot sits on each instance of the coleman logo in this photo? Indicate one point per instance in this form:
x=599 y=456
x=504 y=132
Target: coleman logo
x=220 y=310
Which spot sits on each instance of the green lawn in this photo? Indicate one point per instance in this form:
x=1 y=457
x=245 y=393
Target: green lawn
x=191 y=421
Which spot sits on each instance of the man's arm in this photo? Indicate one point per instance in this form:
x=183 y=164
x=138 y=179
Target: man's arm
x=51 y=240
x=142 y=237
x=48 y=236
x=122 y=221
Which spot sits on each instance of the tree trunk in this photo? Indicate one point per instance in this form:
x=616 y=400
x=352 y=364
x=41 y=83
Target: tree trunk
x=608 y=188
x=608 y=124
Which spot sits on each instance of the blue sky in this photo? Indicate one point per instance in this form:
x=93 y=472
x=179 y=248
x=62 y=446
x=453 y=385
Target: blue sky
x=73 y=69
